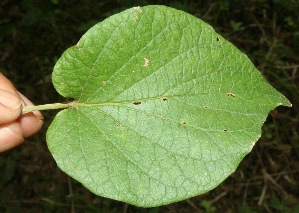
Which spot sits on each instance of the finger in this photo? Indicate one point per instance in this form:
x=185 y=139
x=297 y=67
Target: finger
x=32 y=122
x=27 y=102
x=11 y=135
x=6 y=84
x=10 y=106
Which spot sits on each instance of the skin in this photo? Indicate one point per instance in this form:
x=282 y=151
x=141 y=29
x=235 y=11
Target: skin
x=14 y=126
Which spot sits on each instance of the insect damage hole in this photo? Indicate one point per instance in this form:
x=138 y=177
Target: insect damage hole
x=217 y=38
x=164 y=98
x=230 y=94
x=136 y=102
x=184 y=123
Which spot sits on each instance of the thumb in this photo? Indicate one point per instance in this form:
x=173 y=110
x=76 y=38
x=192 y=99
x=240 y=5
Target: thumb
x=10 y=107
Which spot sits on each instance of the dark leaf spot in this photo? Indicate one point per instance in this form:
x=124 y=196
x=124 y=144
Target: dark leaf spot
x=164 y=99
x=225 y=130
x=184 y=123
x=136 y=102
x=217 y=39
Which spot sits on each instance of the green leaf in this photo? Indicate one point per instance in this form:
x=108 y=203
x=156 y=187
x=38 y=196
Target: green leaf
x=164 y=108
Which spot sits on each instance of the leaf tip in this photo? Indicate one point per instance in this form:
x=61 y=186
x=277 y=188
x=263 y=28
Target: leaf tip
x=288 y=104
x=284 y=102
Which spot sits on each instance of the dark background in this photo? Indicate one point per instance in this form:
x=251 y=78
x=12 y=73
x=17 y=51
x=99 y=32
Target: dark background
x=33 y=35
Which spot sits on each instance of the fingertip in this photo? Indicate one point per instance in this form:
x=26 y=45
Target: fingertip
x=30 y=123
x=27 y=102
x=10 y=106
x=7 y=85
x=11 y=135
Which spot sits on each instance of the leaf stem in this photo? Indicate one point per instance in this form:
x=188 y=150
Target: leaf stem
x=27 y=109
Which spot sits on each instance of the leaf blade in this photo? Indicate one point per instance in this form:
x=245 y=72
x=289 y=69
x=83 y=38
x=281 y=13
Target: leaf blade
x=165 y=108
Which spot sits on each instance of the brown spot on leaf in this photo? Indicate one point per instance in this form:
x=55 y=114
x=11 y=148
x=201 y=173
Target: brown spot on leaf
x=230 y=94
x=136 y=102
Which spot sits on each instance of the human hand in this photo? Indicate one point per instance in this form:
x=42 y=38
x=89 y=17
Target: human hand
x=14 y=127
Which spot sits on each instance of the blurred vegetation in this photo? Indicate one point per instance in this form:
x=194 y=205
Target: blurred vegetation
x=34 y=33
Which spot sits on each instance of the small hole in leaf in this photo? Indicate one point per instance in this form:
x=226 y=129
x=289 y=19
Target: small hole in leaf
x=230 y=94
x=225 y=130
x=164 y=99
x=206 y=107
x=136 y=102
x=184 y=123
x=217 y=39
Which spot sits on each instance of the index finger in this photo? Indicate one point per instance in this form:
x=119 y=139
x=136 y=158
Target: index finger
x=6 y=84
x=10 y=107
x=10 y=101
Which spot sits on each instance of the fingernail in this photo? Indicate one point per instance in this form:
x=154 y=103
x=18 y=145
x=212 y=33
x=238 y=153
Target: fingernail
x=10 y=100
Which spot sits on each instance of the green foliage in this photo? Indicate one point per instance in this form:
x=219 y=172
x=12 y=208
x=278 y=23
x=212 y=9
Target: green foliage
x=164 y=108
x=246 y=209
x=283 y=205
x=207 y=206
x=236 y=26
x=42 y=15
x=8 y=167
